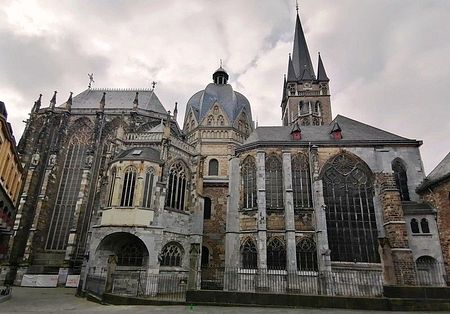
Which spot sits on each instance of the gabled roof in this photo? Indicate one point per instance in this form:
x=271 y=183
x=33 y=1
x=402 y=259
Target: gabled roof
x=301 y=59
x=439 y=174
x=118 y=99
x=353 y=132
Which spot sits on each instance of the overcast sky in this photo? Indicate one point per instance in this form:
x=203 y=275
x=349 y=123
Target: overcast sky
x=388 y=61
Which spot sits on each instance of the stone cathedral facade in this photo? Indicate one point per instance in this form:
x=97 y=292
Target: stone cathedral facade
x=110 y=174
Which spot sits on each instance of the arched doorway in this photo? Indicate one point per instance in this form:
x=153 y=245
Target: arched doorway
x=428 y=272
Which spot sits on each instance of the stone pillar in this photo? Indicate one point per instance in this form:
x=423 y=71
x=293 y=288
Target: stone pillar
x=395 y=242
x=323 y=250
x=261 y=220
x=232 y=242
x=289 y=218
x=42 y=195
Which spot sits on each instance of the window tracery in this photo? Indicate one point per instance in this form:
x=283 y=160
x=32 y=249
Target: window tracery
x=306 y=254
x=249 y=254
x=276 y=254
x=176 y=186
x=248 y=174
x=148 y=188
x=274 y=183
x=129 y=184
x=301 y=182
x=350 y=213
x=130 y=254
x=171 y=254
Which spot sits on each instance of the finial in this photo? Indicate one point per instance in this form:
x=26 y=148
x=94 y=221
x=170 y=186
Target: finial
x=296 y=5
x=220 y=62
x=176 y=107
x=136 y=101
x=69 y=102
x=53 y=100
x=153 y=85
x=37 y=104
x=91 y=80
x=103 y=102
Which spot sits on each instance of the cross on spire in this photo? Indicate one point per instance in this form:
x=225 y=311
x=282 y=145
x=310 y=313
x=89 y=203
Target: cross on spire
x=220 y=62
x=296 y=5
x=154 y=85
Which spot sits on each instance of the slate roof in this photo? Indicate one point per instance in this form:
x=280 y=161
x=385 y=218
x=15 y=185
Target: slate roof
x=301 y=59
x=232 y=102
x=147 y=153
x=414 y=208
x=118 y=99
x=352 y=131
x=440 y=173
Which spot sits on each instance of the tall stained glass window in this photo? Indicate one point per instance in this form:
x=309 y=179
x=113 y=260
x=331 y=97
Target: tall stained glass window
x=301 y=181
x=350 y=213
x=274 y=183
x=248 y=174
x=67 y=194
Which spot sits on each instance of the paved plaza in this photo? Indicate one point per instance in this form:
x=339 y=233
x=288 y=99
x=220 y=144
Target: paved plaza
x=63 y=300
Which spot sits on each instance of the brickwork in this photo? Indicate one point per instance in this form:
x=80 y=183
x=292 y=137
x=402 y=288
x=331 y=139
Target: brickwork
x=396 y=237
x=214 y=228
x=439 y=197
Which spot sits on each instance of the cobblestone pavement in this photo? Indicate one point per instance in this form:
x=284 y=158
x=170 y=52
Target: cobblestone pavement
x=63 y=300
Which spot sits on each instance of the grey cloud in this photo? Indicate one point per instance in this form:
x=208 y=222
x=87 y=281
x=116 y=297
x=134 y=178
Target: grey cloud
x=387 y=60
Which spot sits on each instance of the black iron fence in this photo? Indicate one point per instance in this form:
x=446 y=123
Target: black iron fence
x=96 y=282
x=139 y=283
x=337 y=282
x=424 y=272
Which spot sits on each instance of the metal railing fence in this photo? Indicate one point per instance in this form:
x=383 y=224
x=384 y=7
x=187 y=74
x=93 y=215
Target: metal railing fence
x=336 y=282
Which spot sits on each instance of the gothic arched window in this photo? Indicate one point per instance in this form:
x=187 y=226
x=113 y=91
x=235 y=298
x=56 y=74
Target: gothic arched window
x=176 y=186
x=274 y=183
x=213 y=169
x=350 y=213
x=306 y=254
x=171 y=254
x=276 y=254
x=248 y=174
x=317 y=109
x=301 y=182
x=148 y=188
x=424 y=225
x=207 y=208
x=414 y=226
x=401 y=180
x=249 y=254
x=210 y=120
x=111 y=186
x=69 y=187
x=131 y=254
x=129 y=183
x=220 y=120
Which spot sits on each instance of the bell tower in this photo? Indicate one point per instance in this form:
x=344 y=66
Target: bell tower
x=306 y=98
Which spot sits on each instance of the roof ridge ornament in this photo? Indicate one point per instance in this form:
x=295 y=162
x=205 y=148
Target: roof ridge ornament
x=91 y=80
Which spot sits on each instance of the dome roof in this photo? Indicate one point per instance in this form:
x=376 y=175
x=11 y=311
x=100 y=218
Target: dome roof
x=232 y=102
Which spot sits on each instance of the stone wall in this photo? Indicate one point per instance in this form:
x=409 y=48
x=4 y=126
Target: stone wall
x=439 y=197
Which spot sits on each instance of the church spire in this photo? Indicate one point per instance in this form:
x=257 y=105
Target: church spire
x=301 y=59
x=321 y=74
x=291 y=76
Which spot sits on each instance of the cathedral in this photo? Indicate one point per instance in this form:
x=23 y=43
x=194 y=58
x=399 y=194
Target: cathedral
x=111 y=178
